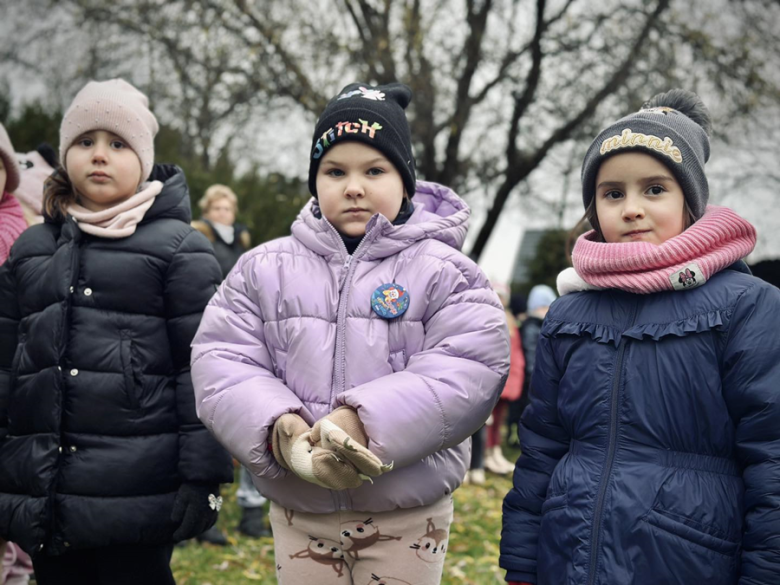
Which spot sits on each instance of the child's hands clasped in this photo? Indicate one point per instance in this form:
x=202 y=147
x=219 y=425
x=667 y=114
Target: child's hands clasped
x=343 y=432
x=333 y=454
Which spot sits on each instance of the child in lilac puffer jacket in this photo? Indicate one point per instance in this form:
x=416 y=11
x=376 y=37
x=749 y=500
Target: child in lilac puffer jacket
x=348 y=364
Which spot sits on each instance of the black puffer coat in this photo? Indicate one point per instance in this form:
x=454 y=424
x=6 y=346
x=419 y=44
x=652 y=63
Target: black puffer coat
x=97 y=415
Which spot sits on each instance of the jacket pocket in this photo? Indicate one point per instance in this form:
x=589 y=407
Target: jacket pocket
x=16 y=361
x=397 y=360
x=554 y=503
x=682 y=528
x=131 y=373
x=699 y=500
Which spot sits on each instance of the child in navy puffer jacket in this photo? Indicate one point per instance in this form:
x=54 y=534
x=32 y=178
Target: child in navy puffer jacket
x=651 y=443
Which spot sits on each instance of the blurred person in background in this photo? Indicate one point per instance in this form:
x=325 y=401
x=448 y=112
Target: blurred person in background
x=539 y=300
x=517 y=307
x=495 y=462
x=219 y=206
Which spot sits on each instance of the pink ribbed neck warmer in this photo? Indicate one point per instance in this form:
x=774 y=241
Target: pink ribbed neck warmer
x=120 y=220
x=714 y=242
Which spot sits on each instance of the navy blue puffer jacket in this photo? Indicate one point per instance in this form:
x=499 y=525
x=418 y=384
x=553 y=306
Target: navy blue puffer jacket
x=651 y=448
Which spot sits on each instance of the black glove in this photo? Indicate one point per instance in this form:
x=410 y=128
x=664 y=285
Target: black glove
x=195 y=510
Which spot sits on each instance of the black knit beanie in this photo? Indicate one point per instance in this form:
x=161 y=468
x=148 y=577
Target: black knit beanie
x=672 y=127
x=373 y=115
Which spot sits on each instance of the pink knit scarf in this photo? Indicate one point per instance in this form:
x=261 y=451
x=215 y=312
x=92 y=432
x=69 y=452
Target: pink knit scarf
x=120 y=220
x=714 y=242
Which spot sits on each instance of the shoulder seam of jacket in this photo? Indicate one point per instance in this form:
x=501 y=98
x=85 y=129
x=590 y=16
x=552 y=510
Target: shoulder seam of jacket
x=176 y=250
x=251 y=257
x=440 y=259
x=733 y=308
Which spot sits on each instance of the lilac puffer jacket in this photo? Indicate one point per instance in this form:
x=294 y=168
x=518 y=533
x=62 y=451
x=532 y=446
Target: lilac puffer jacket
x=292 y=330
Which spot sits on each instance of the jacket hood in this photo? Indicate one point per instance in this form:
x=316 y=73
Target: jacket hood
x=173 y=202
x=439 y=214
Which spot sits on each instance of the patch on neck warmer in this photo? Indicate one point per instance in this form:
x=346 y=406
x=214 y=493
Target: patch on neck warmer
x=688 y=277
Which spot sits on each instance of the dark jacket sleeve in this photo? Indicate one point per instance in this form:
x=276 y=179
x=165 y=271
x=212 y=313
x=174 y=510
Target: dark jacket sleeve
x=191 y=280
x=751 y=386
x=544 y=442
x=9 y=325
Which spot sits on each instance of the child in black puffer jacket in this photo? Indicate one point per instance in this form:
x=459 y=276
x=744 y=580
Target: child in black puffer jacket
x=108 y=462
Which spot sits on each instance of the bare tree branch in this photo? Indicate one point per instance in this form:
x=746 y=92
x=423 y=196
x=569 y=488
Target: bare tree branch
x=523 y=166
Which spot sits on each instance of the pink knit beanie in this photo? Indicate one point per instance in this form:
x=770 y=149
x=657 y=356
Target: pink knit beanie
x=114 y=106
x=9 y=162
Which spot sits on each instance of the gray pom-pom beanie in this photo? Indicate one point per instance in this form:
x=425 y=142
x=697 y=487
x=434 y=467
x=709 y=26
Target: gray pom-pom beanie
x=664 y=133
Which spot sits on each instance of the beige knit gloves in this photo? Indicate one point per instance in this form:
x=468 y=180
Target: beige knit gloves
x=343 y=433
x=290 y=439
x=333 y=454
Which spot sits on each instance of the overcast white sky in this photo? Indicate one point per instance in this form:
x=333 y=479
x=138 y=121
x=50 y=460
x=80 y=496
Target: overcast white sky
x=282 y=145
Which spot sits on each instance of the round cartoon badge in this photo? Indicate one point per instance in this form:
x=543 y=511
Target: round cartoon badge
x=390 y=301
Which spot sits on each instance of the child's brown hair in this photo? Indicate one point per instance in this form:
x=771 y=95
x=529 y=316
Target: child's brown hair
x=58 y=195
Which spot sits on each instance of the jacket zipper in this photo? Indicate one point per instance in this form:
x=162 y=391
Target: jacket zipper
x=74 y=278
x=338 y=383
x=614 y=427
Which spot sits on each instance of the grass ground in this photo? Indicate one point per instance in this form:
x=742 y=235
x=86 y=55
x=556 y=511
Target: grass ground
x=472 y=557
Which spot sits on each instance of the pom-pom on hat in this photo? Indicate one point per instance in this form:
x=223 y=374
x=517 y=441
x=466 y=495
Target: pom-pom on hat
x=9 y=162
x=373 y=115
x=672 y=127
x=114 y=106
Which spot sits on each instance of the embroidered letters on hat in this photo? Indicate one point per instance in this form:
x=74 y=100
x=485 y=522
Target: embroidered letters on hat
x=372 y=115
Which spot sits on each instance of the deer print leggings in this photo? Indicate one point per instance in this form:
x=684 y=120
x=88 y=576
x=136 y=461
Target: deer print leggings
x=402 y=547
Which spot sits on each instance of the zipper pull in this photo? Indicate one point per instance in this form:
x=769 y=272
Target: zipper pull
x=348 y=261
